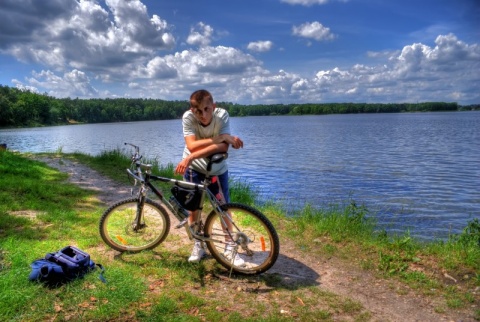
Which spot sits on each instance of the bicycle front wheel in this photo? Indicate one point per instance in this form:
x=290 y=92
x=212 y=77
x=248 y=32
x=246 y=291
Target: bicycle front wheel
x=256 y=242
x=120 y=229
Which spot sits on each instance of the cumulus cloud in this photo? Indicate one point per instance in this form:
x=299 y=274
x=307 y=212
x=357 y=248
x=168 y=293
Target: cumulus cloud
x=71 y=84
x=415 y=73
x=260 y=46
x=81 y=34
x=159 y=68
x=201 y=35
x=314 y=30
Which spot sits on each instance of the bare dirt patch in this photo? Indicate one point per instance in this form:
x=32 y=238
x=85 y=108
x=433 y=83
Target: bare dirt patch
x=385 y=300
x=31 y=214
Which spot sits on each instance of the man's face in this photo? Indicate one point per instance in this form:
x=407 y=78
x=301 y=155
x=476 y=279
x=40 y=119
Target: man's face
x=204 y=112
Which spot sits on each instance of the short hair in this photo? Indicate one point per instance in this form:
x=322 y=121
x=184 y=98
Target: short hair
x=198 y=96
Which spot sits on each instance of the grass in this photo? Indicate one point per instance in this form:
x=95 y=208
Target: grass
x=40 y=213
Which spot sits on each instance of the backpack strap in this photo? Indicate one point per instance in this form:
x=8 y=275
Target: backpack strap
x=102 y=269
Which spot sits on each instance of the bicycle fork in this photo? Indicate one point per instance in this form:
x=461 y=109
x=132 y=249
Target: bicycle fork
x=138 y=222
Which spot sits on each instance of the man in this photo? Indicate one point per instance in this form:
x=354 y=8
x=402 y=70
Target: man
x=206 y=130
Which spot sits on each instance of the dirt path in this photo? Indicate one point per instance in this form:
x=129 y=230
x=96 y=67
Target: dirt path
x=380 y=297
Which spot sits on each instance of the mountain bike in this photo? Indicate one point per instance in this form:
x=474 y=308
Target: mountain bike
x=139 y=223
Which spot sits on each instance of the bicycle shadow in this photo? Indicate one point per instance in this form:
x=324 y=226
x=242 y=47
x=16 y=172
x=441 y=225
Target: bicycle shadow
x=286 y=273
x=293 y=273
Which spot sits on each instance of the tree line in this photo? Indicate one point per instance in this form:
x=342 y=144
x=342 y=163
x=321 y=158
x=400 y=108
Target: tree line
x=21 y=108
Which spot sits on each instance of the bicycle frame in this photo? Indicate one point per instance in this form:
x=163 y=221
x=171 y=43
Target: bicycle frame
x=145 y=177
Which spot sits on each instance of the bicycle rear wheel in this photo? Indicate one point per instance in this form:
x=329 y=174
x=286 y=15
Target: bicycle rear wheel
x=119 y=230
x=257 y=242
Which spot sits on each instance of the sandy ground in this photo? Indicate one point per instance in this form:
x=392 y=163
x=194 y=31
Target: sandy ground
x=381 y=297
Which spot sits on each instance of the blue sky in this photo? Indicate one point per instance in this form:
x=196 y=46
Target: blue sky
x=245 y=51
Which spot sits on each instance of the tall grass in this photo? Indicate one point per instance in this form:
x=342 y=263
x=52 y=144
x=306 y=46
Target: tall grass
x=347 y=222
x=113 y=163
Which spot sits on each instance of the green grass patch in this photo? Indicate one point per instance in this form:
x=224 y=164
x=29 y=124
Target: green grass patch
x=28 y=184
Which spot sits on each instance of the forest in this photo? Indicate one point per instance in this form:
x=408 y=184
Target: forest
x=20 y=108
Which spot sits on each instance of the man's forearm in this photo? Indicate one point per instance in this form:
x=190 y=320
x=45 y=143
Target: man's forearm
x=195 y=145
x=209 y=150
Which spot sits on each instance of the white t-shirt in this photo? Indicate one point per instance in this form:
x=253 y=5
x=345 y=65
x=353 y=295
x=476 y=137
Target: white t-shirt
x=220 y=124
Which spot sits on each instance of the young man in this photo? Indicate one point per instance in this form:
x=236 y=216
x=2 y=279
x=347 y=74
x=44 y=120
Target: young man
x=206 y=130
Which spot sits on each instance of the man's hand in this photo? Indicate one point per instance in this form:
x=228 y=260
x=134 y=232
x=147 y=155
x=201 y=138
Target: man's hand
x=183 y=165
x=234 y=141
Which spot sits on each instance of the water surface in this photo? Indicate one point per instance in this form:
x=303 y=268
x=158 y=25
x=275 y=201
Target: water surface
x=418 y=171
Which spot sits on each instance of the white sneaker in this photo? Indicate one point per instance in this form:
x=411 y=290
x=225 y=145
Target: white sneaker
x=197 y=253
x=228 y=253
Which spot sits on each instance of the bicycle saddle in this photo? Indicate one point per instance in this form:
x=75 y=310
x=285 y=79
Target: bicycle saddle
x=216 y=158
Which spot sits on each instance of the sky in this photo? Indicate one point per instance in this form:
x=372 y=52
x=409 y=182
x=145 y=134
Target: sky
x=244 y=51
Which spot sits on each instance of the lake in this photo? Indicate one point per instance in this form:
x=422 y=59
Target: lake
x=415 y=171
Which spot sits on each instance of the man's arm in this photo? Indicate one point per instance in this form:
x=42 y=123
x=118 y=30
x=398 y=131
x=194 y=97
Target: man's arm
x=200 y=149
x=194 y=145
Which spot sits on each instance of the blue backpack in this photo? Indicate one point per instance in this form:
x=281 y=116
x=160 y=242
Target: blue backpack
x=63 y=266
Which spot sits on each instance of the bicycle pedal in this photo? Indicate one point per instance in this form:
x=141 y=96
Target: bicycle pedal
x=181 y=224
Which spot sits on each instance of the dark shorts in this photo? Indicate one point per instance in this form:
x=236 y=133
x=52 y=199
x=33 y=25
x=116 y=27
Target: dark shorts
x=219 y=186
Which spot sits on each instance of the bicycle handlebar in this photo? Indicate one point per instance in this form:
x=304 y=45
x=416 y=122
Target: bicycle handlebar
x=136 y=157
x=137 y=149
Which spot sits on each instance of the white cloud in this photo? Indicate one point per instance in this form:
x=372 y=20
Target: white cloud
x=222 y=60
x=159 y=68
x=201 y=35
x=260 y=46
x=314 y=30
x=83 y=36
x=72 y=84
x=19 y=85
x=448 y=56
x=417 y=72
x=131 y=18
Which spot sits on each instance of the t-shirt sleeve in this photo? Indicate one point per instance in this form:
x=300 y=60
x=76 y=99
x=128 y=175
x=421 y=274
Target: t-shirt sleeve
x=188 y=123
x=225 y=128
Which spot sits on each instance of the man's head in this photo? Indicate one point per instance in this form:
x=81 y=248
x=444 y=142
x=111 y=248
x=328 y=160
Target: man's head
x=202 y=106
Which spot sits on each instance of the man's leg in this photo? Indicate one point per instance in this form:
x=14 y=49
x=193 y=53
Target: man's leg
x=198 y=251
x=223 y=196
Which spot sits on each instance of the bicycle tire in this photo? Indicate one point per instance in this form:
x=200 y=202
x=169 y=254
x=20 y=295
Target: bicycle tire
x=116 y=226
x=262 y=243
